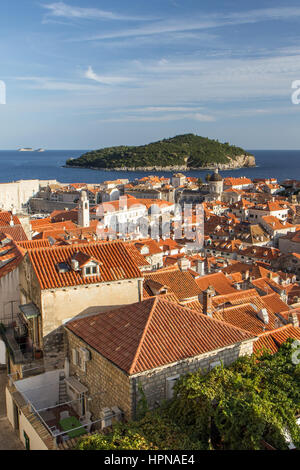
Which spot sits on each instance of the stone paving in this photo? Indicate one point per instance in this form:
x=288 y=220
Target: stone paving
x=9 y=439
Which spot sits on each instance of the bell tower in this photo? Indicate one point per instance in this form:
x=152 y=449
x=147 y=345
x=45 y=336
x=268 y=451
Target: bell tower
x=84 y=210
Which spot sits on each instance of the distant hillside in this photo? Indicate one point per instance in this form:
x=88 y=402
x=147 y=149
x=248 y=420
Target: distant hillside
x=182 y=152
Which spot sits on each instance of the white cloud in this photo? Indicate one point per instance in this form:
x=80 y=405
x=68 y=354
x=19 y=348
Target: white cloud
x=51 y=84
x=104 y=79
x=163 y=118
x=62 y=10
x=204 y=22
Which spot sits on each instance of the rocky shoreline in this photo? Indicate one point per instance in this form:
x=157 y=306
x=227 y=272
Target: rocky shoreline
x=242 y=161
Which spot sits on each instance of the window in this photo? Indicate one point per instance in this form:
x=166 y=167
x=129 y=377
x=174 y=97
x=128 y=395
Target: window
x=94 y=269
x=75 y=357
x=170 y=383
x=87 y=271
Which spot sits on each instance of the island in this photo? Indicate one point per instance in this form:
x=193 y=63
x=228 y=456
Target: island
x=182 y=152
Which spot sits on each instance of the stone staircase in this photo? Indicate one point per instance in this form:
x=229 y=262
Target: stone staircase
x=62 y=394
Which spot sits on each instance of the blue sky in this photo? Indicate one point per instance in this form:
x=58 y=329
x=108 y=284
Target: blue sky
x=87 y=74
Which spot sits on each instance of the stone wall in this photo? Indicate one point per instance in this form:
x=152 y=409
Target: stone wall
x=44 y=205
x=18 y=193
x=107 y=384
x=154 y=382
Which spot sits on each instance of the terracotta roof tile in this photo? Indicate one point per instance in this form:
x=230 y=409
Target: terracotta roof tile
x=117 y=264
x=152 y=333
x=218 y=281
x=272 y=340
x=180 y=283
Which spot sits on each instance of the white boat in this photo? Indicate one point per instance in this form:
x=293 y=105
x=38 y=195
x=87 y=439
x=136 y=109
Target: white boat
x=26 y=149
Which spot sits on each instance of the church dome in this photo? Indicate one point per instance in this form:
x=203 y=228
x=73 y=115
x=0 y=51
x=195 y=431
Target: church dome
x=216 y=176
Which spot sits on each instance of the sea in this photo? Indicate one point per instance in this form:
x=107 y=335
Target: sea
x=14 y=166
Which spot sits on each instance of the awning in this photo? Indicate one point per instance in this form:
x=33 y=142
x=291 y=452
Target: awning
x=76 y=385
x=29 y=310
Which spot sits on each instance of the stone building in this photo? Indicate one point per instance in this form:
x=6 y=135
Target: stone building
x=63 y=282
x=215 y=187
x=149 y=344
x=18 y=193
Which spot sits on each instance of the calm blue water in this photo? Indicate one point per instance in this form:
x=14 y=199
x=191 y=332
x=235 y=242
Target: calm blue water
x=280 y=164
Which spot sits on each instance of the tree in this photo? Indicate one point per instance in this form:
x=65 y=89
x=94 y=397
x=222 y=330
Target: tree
x=238 y=407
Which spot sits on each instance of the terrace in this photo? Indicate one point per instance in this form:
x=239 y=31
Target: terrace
x=60 y=404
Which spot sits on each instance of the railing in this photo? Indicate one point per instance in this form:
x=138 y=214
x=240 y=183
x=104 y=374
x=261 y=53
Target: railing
x=17 y=345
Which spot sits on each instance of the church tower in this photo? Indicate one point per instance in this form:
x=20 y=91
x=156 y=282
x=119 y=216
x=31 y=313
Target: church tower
x=216 y=185
x=84 y=210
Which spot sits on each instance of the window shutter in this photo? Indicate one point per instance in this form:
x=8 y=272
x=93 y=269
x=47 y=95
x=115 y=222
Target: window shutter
x=74 y=356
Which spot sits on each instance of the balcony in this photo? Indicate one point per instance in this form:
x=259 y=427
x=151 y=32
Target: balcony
x=14 y=331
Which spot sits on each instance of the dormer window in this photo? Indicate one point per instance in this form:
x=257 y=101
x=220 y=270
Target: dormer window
x=91 y=270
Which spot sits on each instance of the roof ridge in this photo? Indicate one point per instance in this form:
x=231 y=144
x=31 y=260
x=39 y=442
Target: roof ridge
x=133 y=364
x=74 y=246
x=207 y=317
x=228 y=325
x=283 y=327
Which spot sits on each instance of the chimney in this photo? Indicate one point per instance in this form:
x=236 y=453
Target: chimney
x=207 y=301
x=263 y=315
x=293 y=319
x=184 y=264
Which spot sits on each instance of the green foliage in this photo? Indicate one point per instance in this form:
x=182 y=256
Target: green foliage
x=188 y=149
x=155 y=431
x=230 y=408
x=142 y=405
x=254 y=399
x=123 y=437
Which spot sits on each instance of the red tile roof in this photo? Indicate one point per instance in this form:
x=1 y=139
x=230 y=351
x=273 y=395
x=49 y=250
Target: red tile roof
x=152 y=333
x=218 y=281
x=117 y=264
x=31 y=244
x=236 y=181
x=272 y=340
x=139 y=259
x=245 y=316
x=12 y=256
x=180 y=283
x=16 y=230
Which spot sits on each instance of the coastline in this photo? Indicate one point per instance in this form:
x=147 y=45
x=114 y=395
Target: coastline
x=157 y=168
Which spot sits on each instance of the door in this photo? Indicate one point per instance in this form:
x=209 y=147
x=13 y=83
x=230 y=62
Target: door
x=27 y=441
x=16 y=417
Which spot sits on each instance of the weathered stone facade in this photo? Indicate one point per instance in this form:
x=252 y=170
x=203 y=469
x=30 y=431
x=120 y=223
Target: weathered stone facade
x=107 y=384
x=154 y=382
